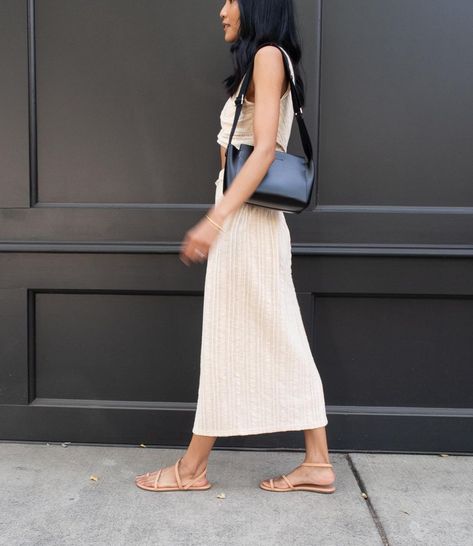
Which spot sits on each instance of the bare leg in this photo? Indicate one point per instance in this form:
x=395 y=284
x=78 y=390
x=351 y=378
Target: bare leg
x=198 y=451
x=192 y=464
x=316 y=445
x=316 y=452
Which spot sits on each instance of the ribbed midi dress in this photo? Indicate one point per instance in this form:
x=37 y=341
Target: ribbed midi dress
x=257 y=372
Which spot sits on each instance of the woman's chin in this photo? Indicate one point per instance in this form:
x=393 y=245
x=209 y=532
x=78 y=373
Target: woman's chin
x=228 y=37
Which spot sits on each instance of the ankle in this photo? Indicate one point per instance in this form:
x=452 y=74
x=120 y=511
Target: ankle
x=193 y=466
x=317 y=458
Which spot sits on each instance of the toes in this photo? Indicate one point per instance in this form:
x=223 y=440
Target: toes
x=145 y=479
x=141 y=479
x=277 y=482
x=280 y=483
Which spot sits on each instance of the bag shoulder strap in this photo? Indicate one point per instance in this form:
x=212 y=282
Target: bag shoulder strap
x=298 y=113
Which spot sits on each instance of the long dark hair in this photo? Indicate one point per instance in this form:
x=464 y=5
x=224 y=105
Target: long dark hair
x=264 y=21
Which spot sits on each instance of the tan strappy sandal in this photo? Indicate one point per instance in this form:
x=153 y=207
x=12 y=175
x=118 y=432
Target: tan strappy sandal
x=179 y=486
x=300 y=486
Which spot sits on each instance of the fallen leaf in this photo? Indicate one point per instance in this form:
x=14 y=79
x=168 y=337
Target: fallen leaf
x=221 y=496
x=94 y=478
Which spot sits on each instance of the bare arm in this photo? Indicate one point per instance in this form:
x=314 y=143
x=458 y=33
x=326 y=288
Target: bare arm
x=268 y=78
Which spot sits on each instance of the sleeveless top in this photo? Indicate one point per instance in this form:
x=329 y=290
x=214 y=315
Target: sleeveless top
x=244 y=130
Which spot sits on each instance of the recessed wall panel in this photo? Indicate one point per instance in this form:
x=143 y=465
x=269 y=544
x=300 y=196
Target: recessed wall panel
x=126 y=112
x=395 y=351
x=396 y=103
x=133 y=347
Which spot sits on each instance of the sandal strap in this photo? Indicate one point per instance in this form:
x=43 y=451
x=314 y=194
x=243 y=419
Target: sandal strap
x=157 y=478
x=176 y=472
x=316 y=464
x=196 y=479
x=178 y=478
x=287 y=481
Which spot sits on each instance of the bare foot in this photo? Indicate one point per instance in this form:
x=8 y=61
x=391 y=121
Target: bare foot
x=168 y=476
x=314 y=475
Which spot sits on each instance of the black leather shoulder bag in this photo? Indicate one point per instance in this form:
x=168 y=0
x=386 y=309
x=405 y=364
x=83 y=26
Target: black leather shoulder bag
x=290 y=180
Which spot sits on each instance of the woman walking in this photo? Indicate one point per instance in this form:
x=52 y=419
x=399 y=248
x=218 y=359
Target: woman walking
x=257 y=373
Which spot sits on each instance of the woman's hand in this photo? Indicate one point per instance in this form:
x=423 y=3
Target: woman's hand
x=198 y=240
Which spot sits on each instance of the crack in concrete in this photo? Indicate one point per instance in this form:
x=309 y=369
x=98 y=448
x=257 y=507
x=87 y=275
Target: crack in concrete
x=371 y=508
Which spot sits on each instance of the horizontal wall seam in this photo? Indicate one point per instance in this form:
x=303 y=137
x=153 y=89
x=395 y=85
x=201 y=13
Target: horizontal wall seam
x=297 y=248
x=407 y=411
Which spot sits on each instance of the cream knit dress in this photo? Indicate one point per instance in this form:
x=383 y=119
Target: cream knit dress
x=257 y=372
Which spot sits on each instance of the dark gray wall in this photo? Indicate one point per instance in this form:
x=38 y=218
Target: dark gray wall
x=109 y=114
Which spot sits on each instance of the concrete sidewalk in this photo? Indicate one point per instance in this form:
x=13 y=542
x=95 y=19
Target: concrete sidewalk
x=48 y=498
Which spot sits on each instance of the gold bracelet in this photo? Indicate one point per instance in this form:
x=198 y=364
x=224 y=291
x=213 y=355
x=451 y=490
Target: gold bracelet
x=214 y=223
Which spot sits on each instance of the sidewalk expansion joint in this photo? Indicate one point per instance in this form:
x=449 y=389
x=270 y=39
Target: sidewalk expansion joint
x=369 y=504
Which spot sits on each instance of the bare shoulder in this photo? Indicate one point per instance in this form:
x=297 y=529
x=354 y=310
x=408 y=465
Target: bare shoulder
x=271 y=56
x=269 y=67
